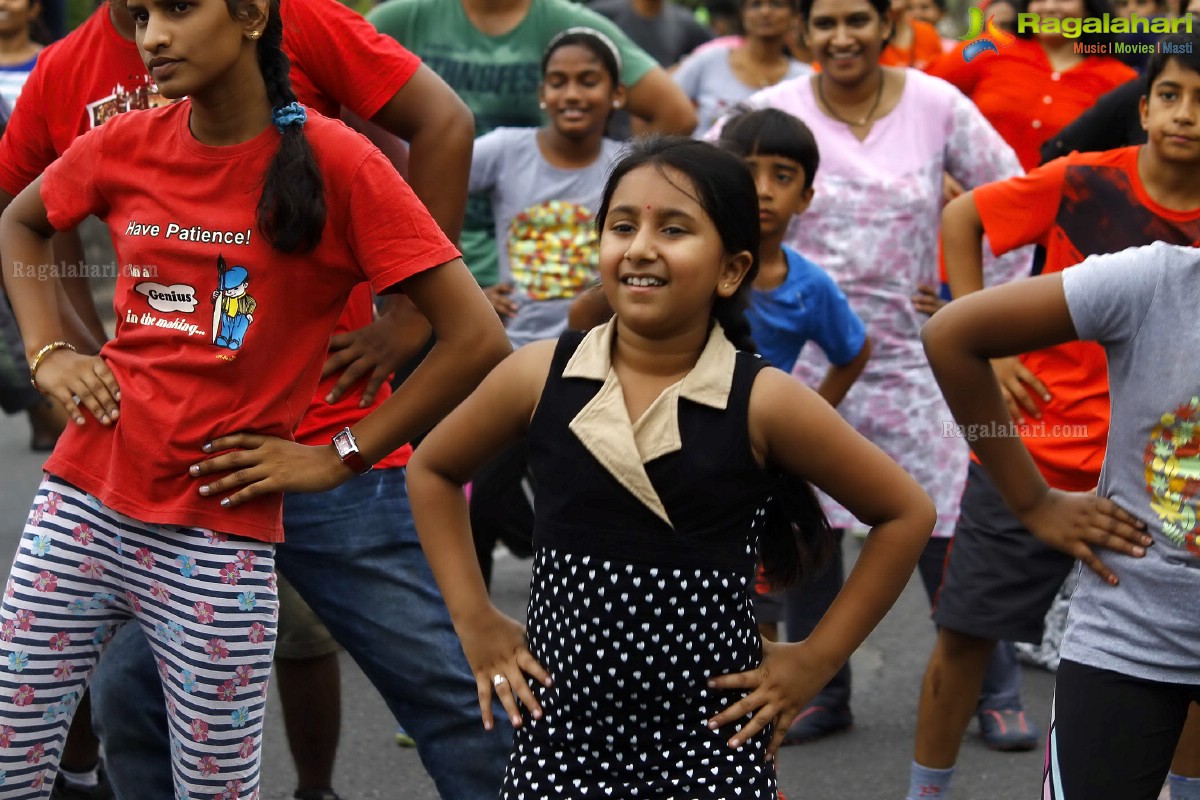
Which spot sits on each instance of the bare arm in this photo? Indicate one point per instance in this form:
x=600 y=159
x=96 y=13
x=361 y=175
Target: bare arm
x=962 y=244
x=800 y=433
x=496 y=414
x=440 y=131
x=838 y=380
x=1000 y=322
x=40 y=307
x=661 y=104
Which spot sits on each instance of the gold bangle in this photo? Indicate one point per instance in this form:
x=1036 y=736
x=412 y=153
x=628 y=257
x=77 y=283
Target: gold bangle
x=45 y=351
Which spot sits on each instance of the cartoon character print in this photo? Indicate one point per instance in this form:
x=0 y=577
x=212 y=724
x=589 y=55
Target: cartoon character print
x=1172 y=459
x=233 y=308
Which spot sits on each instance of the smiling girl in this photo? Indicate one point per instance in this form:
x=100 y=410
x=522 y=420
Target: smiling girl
x=665 y=457
x=162 y=502
x=544 y=183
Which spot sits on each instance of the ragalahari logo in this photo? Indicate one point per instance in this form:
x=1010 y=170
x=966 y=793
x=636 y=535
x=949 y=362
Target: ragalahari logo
x=984 y=43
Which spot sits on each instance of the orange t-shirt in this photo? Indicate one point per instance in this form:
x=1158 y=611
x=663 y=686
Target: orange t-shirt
x=1021 y=94
x=1073 y=207
x=926 y=48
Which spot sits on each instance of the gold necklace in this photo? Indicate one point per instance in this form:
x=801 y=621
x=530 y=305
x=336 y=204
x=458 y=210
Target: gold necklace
x=833 y=111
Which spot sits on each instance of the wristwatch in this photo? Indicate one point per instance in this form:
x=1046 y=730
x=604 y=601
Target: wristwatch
x=348 y=452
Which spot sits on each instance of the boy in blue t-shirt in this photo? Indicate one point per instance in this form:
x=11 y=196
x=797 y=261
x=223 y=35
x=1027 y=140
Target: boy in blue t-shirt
x=794 y=300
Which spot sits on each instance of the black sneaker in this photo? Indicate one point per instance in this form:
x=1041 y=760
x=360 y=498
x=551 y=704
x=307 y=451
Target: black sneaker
x=817 y=722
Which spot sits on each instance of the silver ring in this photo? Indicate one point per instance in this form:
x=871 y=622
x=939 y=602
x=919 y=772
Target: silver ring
x=76 y=399
x=498 y=679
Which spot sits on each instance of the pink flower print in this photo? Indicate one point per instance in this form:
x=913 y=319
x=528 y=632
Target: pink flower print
x=134 y=602
x=246 y=559
x=233 y=790
x=63 y=670
x=23 y=695
x=8 y=630
x=59 y=641
x=207 y=765
x=230 y=574
x=244 y=673
x=216 y=649
x=204 y=612
x=227 y=691
x=34 y=754
x=247 y=748
x=163 y=670
x=10 y=588
x=159 y=592
x=144 y=557
x=52 y=502
x=92 y=568
x=46 y=581
x=83 y=534
x=271 y=582
x=199 y=730
x=35 y=517
x=25 y=618
x=215 y=538
x=257 y=633
x=38 y=782
x=6 y=735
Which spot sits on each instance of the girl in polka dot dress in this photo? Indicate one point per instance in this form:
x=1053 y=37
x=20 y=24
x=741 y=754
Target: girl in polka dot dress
x=666 y=457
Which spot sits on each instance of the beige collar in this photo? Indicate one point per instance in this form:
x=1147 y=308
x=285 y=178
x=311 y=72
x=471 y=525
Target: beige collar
x=624 y=447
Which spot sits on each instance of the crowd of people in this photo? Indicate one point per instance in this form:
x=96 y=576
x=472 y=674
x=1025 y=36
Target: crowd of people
x=670 y=310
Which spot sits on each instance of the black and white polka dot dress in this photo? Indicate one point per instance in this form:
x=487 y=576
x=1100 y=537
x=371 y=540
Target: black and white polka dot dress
x=631 y=615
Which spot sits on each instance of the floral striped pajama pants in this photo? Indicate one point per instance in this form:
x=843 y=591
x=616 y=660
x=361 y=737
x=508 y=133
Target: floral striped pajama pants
x=207 y=604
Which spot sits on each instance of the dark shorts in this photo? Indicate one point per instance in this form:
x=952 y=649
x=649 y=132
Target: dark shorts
x=999 y=580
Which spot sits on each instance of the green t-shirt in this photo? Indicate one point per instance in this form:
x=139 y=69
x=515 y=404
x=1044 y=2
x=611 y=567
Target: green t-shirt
x=496 y=76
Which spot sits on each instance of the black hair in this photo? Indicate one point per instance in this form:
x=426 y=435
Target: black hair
x=600 y=45
x=882 y=7
x=797 y=535
x=1186 y=54
x=1091 y=8
x=291 y=209
x=772 y=132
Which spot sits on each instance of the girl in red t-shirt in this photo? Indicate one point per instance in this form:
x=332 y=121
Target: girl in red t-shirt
x=240 y=241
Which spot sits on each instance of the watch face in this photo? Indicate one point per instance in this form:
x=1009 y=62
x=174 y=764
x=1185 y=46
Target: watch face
x=343 y=444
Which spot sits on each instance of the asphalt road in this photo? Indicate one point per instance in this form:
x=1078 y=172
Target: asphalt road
x=869 y=762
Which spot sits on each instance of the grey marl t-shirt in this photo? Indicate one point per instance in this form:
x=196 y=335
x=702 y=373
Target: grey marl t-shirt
x=1143 y=306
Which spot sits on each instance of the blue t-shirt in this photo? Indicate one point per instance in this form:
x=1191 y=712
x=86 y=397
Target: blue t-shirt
x=807 y=305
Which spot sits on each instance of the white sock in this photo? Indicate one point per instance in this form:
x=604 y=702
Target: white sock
x=926 y=783
x=1183 y=788
x=83 y=780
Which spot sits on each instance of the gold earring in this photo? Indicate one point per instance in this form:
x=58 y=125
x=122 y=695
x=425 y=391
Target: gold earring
x=254 y=34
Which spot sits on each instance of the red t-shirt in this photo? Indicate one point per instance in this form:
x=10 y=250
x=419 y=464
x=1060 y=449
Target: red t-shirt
x=191 y=367
x=338 y=58
x=1074 y=207
x=1021 y=94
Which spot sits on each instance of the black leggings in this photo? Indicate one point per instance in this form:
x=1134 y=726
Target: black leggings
x=1112 y=736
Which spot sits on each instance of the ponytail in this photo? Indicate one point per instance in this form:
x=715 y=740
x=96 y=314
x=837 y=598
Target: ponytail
x=291 y=210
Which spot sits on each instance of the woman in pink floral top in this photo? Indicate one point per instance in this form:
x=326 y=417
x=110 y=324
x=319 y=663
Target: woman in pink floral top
x=886 y=137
